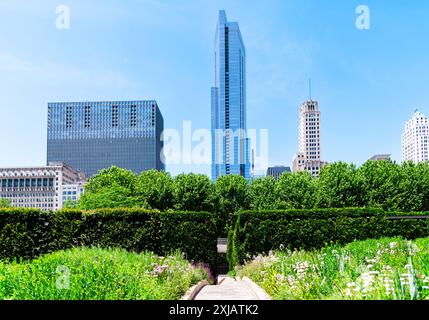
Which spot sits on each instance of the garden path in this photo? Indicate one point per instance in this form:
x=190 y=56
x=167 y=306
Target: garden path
x=232 y=289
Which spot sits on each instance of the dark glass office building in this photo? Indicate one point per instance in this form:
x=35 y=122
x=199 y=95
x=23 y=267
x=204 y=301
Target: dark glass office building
x=277 y=171
x=91 y=136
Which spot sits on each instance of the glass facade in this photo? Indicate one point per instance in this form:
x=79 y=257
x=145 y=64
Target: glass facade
x=230 y=146
x=91 y=136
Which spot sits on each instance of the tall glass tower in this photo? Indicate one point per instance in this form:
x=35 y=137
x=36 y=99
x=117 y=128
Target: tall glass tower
x=230 y=145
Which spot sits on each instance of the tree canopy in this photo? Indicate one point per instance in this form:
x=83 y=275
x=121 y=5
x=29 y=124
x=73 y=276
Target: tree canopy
x=384 y=184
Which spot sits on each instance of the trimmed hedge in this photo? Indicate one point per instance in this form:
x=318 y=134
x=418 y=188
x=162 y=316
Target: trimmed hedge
x=26 y=234
x=260 y=232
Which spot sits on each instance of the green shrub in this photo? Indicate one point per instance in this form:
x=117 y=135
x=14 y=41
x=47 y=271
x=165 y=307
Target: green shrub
x=29 y=233
x=260 y=232
x=24 y=233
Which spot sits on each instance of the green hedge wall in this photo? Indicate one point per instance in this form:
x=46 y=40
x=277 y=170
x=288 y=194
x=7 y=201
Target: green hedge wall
x=260 y=232
x=27 y=234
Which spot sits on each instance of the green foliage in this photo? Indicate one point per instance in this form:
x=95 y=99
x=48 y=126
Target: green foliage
x=260 y=232
x=115 y=196
x=262 y=193
x=231 y=196
x=70 y=204
x=416 y=187
x=5 y=203
x=192 y=192
x=111 y=177
x=156 y=189
x=383 y=184
x=110 y=188
x=295 y=191
x=99 y=274
x=339 y=186
x=23 y=233
x=384 y=269
x=29 y=233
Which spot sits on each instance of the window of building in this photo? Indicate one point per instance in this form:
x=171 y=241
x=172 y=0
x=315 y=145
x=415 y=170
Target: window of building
x=69 y=116
x=87 y=117
x=115 y=116
x=133 y=120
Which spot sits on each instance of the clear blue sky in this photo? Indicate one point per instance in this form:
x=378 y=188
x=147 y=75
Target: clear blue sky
x=367 y=82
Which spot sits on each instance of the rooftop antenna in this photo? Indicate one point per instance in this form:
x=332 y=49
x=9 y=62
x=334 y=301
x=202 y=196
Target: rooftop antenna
x=309 y=86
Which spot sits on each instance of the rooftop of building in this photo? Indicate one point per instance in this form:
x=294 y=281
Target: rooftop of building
x=103 y=102
x=55 y=165
x=381 y=157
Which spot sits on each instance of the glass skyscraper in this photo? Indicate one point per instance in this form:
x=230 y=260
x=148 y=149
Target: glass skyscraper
x=91 y=136
x=230 y=145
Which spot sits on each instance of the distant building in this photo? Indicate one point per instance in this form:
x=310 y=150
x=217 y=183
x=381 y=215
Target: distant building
x=415 y=139
x=277 y=171
x=381 y=157
x=309 y=157
x=72 y=192
x=39 y=187
x=230 y=145
x=91 y=136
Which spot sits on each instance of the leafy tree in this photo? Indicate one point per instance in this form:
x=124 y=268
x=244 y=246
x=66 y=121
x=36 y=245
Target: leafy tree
x=113 y=176
x=230 y=196
x=192 y=192
x=382 y=184
x=262 y=193
x=70 y=204
x=231 y=192
x=114 y=196
x=295 y=191
x=339 y=186
x=156 y=189
x=5 y=203
x=415 y=187
x=110 y=188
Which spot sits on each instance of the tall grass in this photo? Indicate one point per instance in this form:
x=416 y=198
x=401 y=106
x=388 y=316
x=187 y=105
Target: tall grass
x=386 y=269
x=99 y=274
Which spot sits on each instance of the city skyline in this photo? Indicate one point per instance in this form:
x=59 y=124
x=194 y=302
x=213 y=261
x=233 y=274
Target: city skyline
x=348 y=79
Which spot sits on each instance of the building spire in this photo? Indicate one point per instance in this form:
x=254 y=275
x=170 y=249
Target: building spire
x=309 y=87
